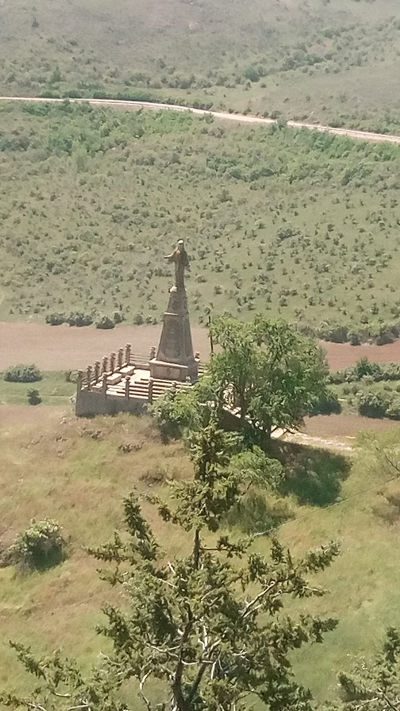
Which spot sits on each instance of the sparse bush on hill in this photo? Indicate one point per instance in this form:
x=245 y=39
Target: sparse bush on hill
x=34 y=397
x=79 y=319
x=364 y=368
x=328 y=246
x=138 y=320
x=105 y=322
x=22 y=374
x=372 y=405
x=328 y=404
x=55 y=319
x=40 y=546
x=344 y=333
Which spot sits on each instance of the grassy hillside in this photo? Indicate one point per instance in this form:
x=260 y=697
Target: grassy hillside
x=295 y=224
x=333 y=62
x=75 y=472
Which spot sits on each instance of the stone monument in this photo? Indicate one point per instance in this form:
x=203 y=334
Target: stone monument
x=175 y=359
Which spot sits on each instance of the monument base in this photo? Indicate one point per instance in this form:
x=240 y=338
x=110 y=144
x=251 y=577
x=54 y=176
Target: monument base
x=161 y=370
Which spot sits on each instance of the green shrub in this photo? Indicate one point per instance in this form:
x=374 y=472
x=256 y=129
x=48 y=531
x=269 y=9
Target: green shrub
x=354 y=338
x=79 y=319
x=368 y=372
x=365 y=367
x=55 y=319
x=40 y=546
x=118 y=317
x=338 y=333
x=138 y=320
x=105 y=322
x=328 y=405
x=372 y=405
x=251 y=73
x=34 y=397
x=22 y=374
x=393 y=410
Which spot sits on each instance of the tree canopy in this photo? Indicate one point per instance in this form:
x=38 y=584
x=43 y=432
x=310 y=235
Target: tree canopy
x=270 y=374
x=373 y=685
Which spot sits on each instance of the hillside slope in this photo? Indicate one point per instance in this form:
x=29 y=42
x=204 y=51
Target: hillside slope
x=292 y=223
x=77 y=473
x=331 y=62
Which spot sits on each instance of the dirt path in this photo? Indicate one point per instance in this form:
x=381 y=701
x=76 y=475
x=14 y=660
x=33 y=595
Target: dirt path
x=220 y=115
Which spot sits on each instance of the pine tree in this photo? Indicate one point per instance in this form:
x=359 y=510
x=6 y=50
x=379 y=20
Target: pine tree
x=208 y=625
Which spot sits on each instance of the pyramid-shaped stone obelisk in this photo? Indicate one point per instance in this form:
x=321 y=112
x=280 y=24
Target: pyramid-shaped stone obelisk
x=175 y=358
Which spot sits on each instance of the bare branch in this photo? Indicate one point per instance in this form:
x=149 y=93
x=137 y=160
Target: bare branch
x=142 y=694
x=253 y=604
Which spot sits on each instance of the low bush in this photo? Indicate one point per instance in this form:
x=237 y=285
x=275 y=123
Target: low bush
x=79 y=319
x=367 y=371
x=118 y=317
x=348 y=333
x=328 y=405
x=55 y=319
x=105 y=322
x=372 y=405
x=40 y=546
x=34 y=397
x=22 y=374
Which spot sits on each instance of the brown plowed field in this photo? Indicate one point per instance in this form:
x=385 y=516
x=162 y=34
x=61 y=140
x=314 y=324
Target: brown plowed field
x=342 y=355
x=345 y=427
x=62 y=347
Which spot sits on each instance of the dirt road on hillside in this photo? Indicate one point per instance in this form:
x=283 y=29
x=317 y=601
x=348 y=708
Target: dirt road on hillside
x=219 y=115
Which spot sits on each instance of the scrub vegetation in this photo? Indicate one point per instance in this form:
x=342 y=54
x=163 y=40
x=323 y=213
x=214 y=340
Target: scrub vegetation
x=299 y=225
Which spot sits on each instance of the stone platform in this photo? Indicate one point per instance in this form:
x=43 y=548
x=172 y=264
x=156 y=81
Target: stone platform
x=123 y=382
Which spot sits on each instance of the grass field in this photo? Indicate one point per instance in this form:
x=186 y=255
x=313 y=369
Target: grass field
x=53 y=388
x=75 y=472
x=294 y=224
x=332 y=62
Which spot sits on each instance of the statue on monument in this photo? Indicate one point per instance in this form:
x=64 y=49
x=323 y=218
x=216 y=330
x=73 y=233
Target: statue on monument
x=175 y=358
x=180 y=257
